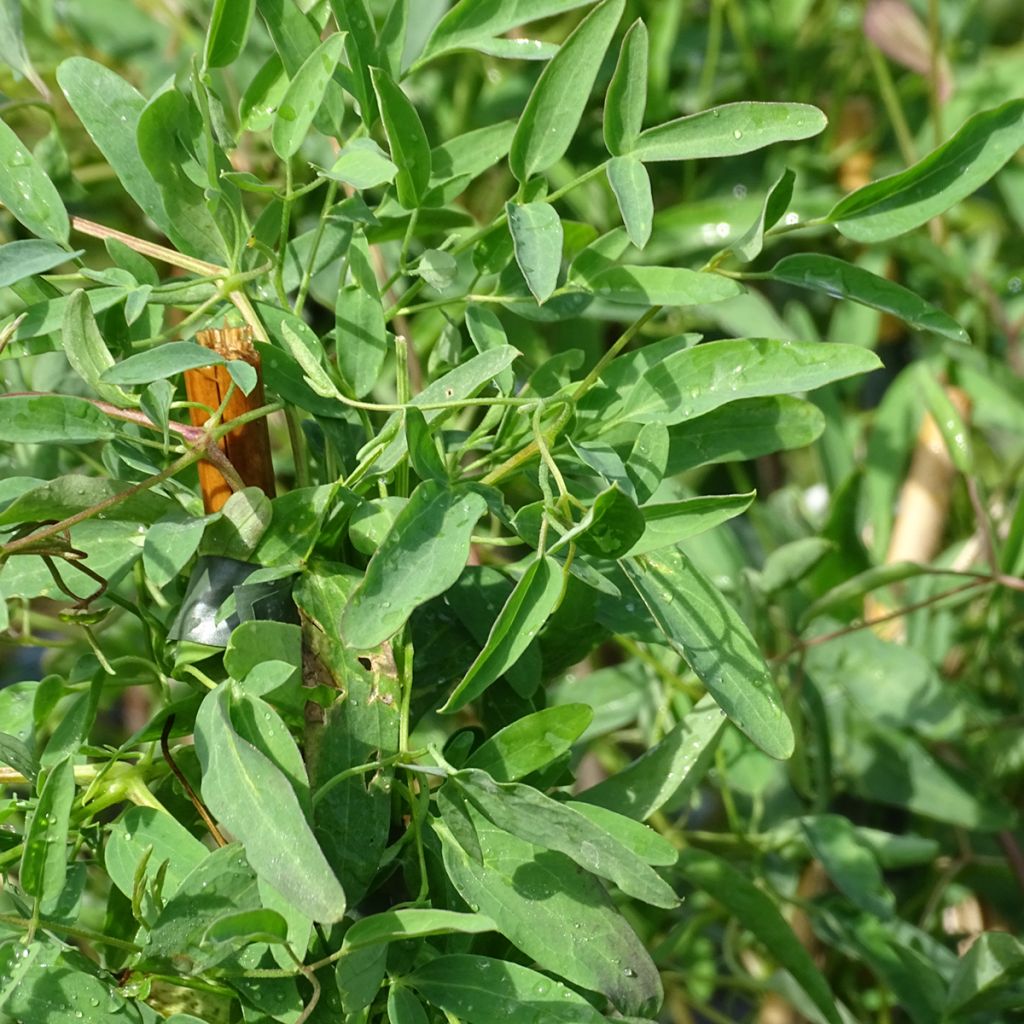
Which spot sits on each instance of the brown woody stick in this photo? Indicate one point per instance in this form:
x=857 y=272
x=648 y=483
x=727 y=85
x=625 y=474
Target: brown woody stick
x=248 y=447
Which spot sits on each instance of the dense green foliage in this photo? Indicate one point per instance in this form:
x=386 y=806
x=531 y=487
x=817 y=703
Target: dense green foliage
x=569 y=675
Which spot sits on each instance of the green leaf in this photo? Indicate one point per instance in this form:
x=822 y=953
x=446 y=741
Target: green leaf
x=169 y=545
x=18 y=755
x=537 y=240
x=221 y=881
x=755 y=910
x=650 y=846
x=843 y=280
x=897 y=204
x=362 y=164
x=65 y=496
x=610 y=527
x=247 y=926
x=696 y=380
x=423 y=453
x=412 y=923
x=648 y=459
x=51 y=985
x=704 y=628
x=476 y=24
x=304 y=96
x=987 y=978
x=730 y=130
x=110 y=108
x=670 y=523
x=529 y=606
x=947 y=417
x=744 y=430
x=672 y=767
x=470 y=154
x=22 y=259
x=662 y=286
x=404 y=1007
x=556 y=914
x=361 y=728
x=175 y=852
x=228 y=31
x=44 y=860
x=849 y=862
x=631 y=185
x=480 y=990
x=87 y=352
x=487 y=334
x=360 y=330
x=410 y=149
x=356 y=21
x=626 y=99
x=749 y=245
x=51 y=419
x=28 y=193
x=162 y=362
x=255 y=800
x=438 y=269
x=556 y=104
x=538 y=819
x=421 y=557
x=531 y=742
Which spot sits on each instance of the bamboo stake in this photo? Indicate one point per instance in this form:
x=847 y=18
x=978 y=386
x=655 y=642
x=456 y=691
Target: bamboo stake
x=247 y=449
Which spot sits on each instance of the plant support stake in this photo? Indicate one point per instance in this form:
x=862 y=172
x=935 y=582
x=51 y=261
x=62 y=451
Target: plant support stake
x=248 y=447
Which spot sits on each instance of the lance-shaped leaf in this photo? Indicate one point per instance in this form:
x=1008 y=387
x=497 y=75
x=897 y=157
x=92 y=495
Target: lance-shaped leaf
x=757 y=912
x=422 y=556
x=538 y=819
x=413 y=923
x=28 y=193
x=844 y=280
x=51 y=419
x=631 y=185
x=229 y=29
x=730 y=130
x=110 y=108
x=537 y=240
x=556 y=104
x=531 y=742
x=406 y=138
x=703 y=627
x=696 y=380
x=743 y=430
x=304 y=96
x=667 y=771
x=626 y=99
x=477 y=24
x=661 y=286
x=559 y=916
x=254 y=799
x=44 y=859
x=904 y=201
x=31 y=256
x=528 y=607
x=479 y=990
x=748 y=246
x=668 y=523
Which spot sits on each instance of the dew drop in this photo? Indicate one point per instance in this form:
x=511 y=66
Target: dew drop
x=737 y=134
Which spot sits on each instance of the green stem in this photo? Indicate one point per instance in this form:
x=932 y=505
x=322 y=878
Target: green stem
x=307 y=274
x=617 y=346
x=893 y=108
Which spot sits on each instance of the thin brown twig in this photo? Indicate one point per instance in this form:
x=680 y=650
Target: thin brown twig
x=187 y=786
x=856 y=627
